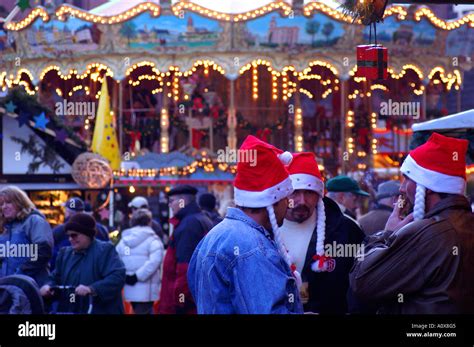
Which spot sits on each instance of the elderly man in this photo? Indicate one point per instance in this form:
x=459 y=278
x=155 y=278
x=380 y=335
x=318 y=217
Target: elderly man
x=423 y=263
x=191 y=224
x=375 y=220
x=241 y=267
x=346 y=192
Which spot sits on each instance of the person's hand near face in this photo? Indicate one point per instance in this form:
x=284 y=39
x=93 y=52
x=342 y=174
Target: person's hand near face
x=395 y=221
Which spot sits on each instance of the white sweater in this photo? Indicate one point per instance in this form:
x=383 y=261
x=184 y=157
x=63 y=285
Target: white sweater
x=141 y=250
x=296 y=237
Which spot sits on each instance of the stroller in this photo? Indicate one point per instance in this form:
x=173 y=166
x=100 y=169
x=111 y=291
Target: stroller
x=19 y=294
x=64 y=301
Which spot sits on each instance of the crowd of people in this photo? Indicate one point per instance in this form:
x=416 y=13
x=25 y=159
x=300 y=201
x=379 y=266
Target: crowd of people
x=291 y=243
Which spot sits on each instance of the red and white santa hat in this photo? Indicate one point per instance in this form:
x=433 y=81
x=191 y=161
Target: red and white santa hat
x=439 y=165
x=305 y=174
x=263 y=181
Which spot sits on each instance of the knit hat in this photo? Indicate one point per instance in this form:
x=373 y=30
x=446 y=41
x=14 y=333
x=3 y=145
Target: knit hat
x=263 y=182
x=305 y=174
x=81 y=223
x=439 y=165
x=207 y=201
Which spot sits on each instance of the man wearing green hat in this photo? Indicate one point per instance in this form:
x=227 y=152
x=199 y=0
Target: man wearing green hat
x=346 y=192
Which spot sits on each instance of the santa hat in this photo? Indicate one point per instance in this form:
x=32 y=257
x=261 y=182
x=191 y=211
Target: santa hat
x=439 y=165
x=263 y=181
x=305 y=174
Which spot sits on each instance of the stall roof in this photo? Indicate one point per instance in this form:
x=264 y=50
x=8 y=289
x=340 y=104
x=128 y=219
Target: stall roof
x=45 y=186
x=460 y=120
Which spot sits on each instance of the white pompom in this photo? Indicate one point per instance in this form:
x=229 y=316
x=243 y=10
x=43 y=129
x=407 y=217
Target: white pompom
x=316 y=268
x=285 y=158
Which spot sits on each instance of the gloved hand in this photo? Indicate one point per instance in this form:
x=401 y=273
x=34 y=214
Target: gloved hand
x=131 y=279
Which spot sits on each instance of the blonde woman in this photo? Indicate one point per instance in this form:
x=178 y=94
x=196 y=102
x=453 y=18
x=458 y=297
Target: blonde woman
x=27 y=237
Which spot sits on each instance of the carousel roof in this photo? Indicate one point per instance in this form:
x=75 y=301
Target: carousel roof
x=116 y=7
x=460 y=120
x=232 y=7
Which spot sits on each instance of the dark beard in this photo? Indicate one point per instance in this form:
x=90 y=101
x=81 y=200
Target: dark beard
x=300 y=211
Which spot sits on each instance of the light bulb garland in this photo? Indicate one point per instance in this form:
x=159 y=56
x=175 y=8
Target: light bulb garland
x=298 y=136
x=280 y=5
x=28 y=20
x=65 y=10
x=255 y=82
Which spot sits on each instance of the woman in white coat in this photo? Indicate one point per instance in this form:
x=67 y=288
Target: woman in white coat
x=141 y=250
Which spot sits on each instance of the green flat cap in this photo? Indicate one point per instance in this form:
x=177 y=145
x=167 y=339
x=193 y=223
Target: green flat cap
x=344 y=184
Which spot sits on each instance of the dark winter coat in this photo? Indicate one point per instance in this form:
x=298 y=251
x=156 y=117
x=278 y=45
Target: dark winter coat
x=61 y=239
x=214 y=216
x=98 y=267
x=329 y=291
x=192 y=226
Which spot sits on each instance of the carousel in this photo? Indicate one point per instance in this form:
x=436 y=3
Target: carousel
x=188 y=79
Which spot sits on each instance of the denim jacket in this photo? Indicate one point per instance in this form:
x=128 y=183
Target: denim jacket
x=237 y=269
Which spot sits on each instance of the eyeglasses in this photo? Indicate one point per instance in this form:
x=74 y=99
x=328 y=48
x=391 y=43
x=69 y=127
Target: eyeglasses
x=73 y=235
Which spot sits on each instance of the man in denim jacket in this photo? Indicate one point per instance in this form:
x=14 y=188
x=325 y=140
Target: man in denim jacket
x=240 y=266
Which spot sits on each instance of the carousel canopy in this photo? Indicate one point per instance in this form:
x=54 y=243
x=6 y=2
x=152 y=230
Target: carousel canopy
x=72 y=43
x=460 y=120
x=116 y=7
x=232 y=7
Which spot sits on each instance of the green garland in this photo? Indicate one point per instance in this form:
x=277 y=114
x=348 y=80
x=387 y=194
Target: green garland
x=368 y=11
x=30 y=105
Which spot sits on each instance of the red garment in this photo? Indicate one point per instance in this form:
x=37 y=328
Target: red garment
x=196 y=137
x=190 y=227
x=362 y=136
x=167 y=283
